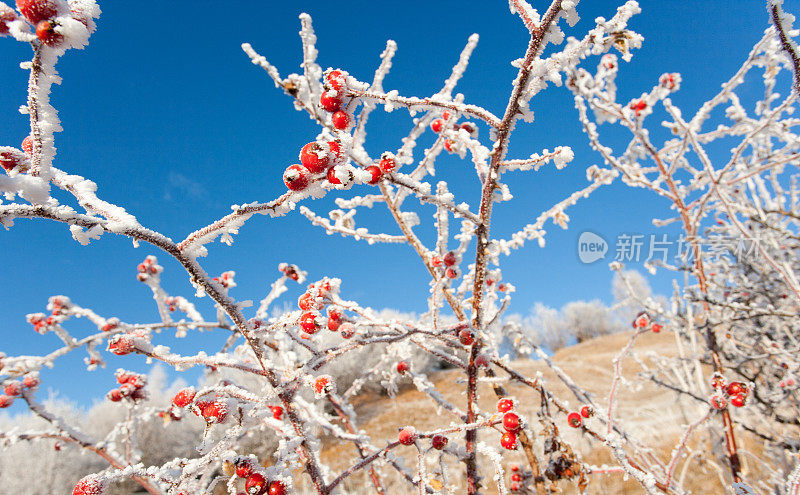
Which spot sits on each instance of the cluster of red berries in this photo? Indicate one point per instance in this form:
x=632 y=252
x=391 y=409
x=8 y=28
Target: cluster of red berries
x=668 y=81
x=444 y=124
x=131 y=386
x=311 y=302
x=332 y=98
x=256 y=482
x=290 y=271
x=48 y=17
x=575 y=419
x=512 y=423
x=59 y=307
x=449 y=262
x=643 y=321
x=14 y=389
x=733 y=393
x=638 y=106
x=213 y=410
x=317 y=158
x=148 y=268
x=519 y=478
x=787 y=382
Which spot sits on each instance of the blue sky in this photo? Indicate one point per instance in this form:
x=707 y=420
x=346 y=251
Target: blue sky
x=168 y=116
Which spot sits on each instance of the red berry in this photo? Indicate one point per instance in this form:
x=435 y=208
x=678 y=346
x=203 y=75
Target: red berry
x=13 y=389
x=439 y=442
x=7 y=15
x=334 y=320
x=465 y=337
x=322 y=384
x=184 y=397
x=310 y=322
x=256 y=484
x=341 y=120
x=734 y=388
x=308 y=302
x=505 y=404
x=448 y=145
x=452 y=273
x=574 y=419
x=656 y=328
x=402 y=367
x=587 y=411
x=470 y=128
x=738 y=400
x=509 y=441
x=336 y=79
x=515 y=467
x=718 y=402
x=516 y=477
x=216 y=412
x=314 y=157
x=90 y=485
x=450 y=259
x=12 y=158
x=277 y=412
x=376 y=173
x=514 y=487
x=482 y=360
x=46 y=31
x=30 y=381
x=331 y=103
x=335 y=147
x=295 y=178
x=387 y=164
x=331 y=176
x=27 y=143
x=114 y=395
x=511 y=422
x=347 y=330
x=277 y=488
x=244 y=468
x=121 y=345
x=5 y=401
x=437 y=125
x=407 y=436
x=38 y=10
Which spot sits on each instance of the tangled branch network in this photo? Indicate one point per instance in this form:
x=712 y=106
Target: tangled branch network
x=288 y=380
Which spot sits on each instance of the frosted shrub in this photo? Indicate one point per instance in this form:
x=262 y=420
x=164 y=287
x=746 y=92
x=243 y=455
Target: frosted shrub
x=287 y=376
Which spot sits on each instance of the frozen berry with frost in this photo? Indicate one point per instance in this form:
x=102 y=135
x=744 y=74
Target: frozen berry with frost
x=31 y=381
x=308 y=302
x=335 y=147
x=244 y=467
x=403 y=367
x=450 y=258
x=13 y=159
x=514 y=487
x=515 y=467
x=466 y=337
x=256 y=484
x=736 y=388
x=277 y=488
x=482 y=361
x=216 y=412
x=277 y=412
x=437 y=125
x=310 y=322
x=509 y=441
x=347 y=331
x=574 y=419
x=718 y=402
x=121 y=344
x=295 y=177
x=511 y=422
x=587 y=411
x=5 y=401
x=13 y=389
x=656 y=328
x=641 y=320
x=47 y=32
x=470 y=128
x=90 y=485
x=330 y=101
x=341 y=120
x=452 y=273
x=516 y=477
x=184 y=397
x=315 y=157
x=407 y=435
x=439 y=442
x=322 y=384
x=376 y=174
x=38 y=10
x=7 y=15
x=738 y=400
x=335 y=79
x=387 y=163
x=334 y=320
x=505 y=404
x=114 y=395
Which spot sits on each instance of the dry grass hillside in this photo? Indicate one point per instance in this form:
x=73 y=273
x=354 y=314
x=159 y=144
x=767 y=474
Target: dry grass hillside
x=654 y=416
